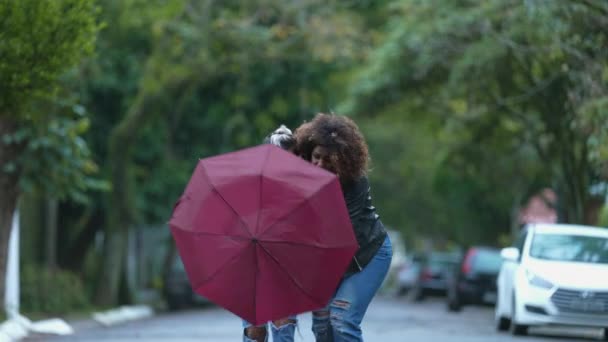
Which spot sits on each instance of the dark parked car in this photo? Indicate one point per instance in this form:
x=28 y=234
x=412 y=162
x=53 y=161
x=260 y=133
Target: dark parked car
x=433 y=273
x=474 y=282
x=177 y=290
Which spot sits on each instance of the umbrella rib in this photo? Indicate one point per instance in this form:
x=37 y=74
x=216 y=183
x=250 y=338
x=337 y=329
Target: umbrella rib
x=257 y=223
x=316 y=300
x=255 y=283
x=295 y=208
x=315 y=245
x=234 y=237
x=244 y=225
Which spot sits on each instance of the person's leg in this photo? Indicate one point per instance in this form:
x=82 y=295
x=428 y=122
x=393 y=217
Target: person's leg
x=283 y=330
x=350 y=303
x=252 y=333
x=321 y=326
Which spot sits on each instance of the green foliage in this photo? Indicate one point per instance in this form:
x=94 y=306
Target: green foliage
x=468 y=107
x=489 y=75
x=594 y=119
x=404 y=157
x=55 y=148
x=40 y=40
x=603 y=220
x=215 y=76
x=51 y=291
x=187 y=79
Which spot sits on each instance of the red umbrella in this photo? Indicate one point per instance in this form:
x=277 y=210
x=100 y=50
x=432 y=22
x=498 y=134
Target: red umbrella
x=263 y=233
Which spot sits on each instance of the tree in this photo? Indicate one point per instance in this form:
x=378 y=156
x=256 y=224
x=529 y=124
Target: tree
x=534 y=68
x=211 y=77
x=136 y=97
x=40 y=41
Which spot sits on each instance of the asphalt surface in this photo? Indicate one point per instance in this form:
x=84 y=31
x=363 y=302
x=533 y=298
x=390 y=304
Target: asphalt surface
x=388 y=319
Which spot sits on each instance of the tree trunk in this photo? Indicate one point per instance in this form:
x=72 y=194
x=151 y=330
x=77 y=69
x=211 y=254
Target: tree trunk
x=515 y=215
x=575 y=170
x=121 y=202
x=51 y=207
x=72 y=258
x=120 y=212
x=10 y=194
x=168 y=260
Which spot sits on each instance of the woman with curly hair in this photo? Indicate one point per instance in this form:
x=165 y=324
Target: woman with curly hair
x=335 y=143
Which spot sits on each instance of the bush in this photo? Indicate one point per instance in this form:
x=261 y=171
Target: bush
x=51 y=291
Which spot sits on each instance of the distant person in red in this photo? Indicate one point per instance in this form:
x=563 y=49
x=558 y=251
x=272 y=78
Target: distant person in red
x=335 y=143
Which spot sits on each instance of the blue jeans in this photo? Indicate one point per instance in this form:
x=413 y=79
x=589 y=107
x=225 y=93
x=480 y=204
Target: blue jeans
x=283 y=333
x=341 y=320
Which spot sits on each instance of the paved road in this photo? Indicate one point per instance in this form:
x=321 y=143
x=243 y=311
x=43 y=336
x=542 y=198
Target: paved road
x=388 y=319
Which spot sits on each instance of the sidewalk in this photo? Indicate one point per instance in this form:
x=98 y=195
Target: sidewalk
x=21 y=328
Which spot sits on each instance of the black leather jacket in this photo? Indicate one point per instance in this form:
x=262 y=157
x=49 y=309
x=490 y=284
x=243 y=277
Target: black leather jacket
x=368 y=228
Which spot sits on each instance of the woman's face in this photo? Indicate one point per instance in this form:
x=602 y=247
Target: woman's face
x=323 y=159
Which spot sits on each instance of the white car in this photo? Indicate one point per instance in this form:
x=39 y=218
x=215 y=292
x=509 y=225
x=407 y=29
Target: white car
x=555 y=274
x=408 y=274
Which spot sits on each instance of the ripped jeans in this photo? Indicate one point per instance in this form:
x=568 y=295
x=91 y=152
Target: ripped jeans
x=284 y=333
x=341 y=320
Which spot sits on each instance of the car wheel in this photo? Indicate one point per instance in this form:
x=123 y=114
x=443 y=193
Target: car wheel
x=419 y=294
x=402 y=291
x=454 y=307
x=503 y=324
x=516 y=328
x=454 y=303
x=175 y=303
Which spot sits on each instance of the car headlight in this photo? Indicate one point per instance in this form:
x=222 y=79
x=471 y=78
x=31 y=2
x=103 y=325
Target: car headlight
x=537 y=281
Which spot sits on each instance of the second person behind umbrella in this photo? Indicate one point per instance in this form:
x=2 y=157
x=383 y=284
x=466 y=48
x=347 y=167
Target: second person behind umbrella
x=283 y=329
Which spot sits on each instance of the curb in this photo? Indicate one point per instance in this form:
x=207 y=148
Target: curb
x=123 y=314
x=11 y=330
x=19 y=327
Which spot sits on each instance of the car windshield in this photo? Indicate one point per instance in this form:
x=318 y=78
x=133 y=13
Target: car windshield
x=441 y=262
x=575 y=248
x=487 y=261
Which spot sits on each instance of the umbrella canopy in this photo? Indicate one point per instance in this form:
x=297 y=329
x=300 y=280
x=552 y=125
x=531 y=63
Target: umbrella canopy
x=263 y=233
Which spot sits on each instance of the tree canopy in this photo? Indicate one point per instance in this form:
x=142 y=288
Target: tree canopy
x=39 y=42
x=469 y=107
x=516 y=88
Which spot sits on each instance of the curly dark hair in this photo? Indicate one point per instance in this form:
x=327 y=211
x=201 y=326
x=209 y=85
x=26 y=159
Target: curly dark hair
x=341 y=136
